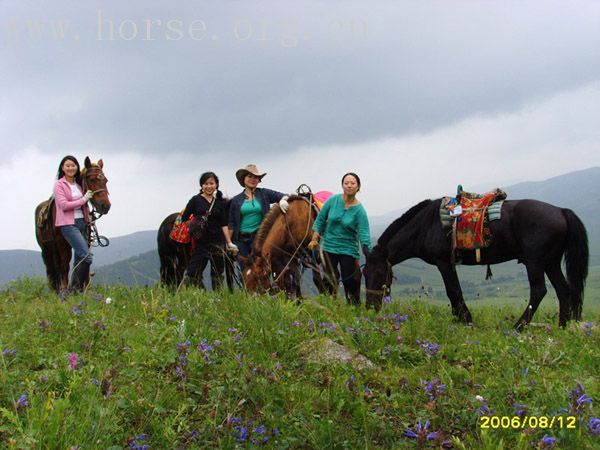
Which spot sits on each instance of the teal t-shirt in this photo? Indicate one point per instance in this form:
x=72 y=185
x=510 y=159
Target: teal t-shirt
x=250 y=215
x=344 y=227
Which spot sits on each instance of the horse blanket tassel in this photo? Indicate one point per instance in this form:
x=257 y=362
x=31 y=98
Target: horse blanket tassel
x=488 y=273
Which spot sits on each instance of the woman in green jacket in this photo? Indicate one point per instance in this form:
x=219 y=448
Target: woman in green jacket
x=344 y=226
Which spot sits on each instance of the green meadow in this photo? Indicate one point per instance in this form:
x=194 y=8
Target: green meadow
x=119 y=368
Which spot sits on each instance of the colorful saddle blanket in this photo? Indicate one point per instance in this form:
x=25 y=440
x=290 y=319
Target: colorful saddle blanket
x=472 y=222
x=321 y=197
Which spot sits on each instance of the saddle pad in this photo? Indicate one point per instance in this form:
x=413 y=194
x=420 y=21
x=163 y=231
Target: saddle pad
x=321 y=197
x=471 y=229
x=45 y=222
x=494 y=212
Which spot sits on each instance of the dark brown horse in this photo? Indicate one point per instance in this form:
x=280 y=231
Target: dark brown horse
x=280 y=243
x=534 y=233
x=175 y=257
x=56 y=251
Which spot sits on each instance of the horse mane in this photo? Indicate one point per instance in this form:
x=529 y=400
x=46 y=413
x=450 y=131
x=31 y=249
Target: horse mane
x=267 y=224
x=397 y=224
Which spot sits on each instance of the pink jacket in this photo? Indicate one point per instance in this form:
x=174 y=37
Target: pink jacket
x=65 y=205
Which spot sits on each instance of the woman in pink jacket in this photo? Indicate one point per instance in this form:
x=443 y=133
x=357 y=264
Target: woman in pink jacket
x=72 y=217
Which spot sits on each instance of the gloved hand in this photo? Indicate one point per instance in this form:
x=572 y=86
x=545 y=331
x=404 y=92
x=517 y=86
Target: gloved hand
x=232 y=248
x=283 y=204
x=88 y=195
x=313 y=244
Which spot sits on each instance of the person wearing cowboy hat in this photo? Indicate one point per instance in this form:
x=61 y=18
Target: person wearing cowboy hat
x=248 y=208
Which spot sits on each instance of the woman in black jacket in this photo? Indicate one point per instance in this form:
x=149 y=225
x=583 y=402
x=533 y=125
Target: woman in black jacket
x=210 y=246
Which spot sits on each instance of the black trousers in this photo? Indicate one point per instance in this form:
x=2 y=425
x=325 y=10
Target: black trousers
x=351 y=276
x=205 y=252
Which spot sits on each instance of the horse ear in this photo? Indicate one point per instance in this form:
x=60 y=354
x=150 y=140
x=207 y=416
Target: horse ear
x=87 y=163
x=100 y=163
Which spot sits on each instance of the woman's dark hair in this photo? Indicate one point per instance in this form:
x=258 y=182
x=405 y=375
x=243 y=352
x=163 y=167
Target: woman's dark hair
x=354 y=175
x=207 y=176
x=60 y=172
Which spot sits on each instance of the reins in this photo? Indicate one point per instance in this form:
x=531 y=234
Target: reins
x=298 y=245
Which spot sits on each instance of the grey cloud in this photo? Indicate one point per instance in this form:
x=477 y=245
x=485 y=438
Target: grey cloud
x=420 y=66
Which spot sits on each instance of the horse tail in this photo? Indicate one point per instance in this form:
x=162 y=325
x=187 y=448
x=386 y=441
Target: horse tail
x=577 y=259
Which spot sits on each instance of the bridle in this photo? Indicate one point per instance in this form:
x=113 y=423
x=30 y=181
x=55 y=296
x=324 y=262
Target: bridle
x=88 y=172
x=386 y=287
x=95 y=238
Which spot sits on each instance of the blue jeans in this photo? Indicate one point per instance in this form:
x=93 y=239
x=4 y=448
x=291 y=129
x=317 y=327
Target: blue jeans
x=76 y=236
x=244 y=244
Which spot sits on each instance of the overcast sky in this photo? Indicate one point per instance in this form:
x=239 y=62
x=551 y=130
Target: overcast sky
x=414 y=96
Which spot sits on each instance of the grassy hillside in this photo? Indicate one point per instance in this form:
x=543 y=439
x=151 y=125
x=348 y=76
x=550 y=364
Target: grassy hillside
x=125 y=368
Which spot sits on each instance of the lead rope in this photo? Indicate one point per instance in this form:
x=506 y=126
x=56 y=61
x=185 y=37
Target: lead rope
x=298 y=246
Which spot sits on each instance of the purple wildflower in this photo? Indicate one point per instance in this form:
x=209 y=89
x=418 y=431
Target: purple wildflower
x=75 y=310
x=430 y=348
x=387 y=300
x=370 y=322
x=484 y=410
x=241 y=433
x=594 y=426
x=578 y=399
x=182 y=349
x=9 y=352
x=547 y=442
x=205 y=348
x=73 y=361
x=421 y=433
x=519 y=409
x=433 y=388
x=327 y=326
x=22 y=402
x=351 y=383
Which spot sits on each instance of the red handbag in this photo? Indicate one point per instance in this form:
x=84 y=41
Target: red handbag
x=180 y=231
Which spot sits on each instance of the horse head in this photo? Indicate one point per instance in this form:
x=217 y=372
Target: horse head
x=256 y=274
x=94 y=180
x=378 y=276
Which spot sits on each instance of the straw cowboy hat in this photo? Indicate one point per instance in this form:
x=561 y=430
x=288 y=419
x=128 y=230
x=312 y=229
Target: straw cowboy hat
x=249 y=169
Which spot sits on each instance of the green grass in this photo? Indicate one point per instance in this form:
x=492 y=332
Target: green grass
x=249 y=374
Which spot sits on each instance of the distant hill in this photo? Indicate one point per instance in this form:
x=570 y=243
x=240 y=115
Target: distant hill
x=133 y=259
x=124 y=247
x=17 y=263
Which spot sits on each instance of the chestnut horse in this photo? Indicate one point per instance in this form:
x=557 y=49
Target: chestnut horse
x=534 y=233
x=281 y=241
x=56 y=251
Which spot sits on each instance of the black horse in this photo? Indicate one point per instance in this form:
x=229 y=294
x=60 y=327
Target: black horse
x=534 y=233
x=174 y=256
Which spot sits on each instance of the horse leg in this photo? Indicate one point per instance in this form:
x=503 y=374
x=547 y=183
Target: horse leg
x=454 y=292
x=563 y=293
x=318 y=280
x=63 y=259
x=537 y=290
x=48 y=258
